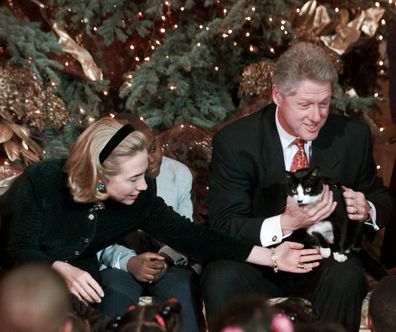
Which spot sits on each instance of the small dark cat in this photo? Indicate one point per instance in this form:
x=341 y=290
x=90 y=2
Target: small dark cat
x=337 y=235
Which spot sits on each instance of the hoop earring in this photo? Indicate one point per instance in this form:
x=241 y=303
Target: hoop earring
x=101 y=187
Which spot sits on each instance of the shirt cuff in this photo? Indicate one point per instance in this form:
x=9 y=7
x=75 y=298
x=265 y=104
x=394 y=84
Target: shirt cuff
x=373 y=217
x=271 y=231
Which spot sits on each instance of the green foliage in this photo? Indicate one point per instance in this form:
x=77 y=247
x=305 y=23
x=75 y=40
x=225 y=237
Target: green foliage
x=193 y=73
x=29 y=46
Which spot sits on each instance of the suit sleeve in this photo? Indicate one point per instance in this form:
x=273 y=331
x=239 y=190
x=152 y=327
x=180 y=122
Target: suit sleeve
x=230 y=193
x=371 y=185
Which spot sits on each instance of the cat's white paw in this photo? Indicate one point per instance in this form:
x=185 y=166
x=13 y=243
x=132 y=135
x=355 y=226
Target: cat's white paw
x=340 y=257
x=325 y=252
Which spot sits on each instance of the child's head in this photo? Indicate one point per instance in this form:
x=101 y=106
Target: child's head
x=163 y=317
x=250 y=313
x=382 y=306
x=33 y=298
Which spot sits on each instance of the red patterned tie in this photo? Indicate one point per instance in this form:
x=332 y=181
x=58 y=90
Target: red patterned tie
x=300 y=159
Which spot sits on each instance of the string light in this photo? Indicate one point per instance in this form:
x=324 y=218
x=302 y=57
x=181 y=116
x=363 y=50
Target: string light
x=132 y=47
x=216 y=68
x=198 y=44
x=247 y=34
x=162 y=30
x=248 y=18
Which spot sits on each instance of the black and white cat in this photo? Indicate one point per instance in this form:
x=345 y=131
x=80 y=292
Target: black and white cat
x=336 y=235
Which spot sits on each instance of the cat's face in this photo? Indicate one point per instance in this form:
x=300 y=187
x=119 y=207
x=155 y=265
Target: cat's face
x=305 y=186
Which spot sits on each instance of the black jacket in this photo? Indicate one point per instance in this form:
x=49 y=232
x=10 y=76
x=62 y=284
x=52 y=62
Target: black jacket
x=48 y=225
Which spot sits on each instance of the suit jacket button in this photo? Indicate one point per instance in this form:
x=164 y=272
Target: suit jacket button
x=76 y=253
x=91 y=216
x=86 y=240
x=274 y=238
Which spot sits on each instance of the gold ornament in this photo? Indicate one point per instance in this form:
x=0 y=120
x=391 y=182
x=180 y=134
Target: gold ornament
x=8 y=173
x=348 y=33
x=91 y=70
x=24 y=99
x=17 y=143
x=256 y=79
x=313 y=17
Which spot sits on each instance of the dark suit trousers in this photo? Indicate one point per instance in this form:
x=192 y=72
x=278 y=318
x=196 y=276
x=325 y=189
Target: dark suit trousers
x=336 y=290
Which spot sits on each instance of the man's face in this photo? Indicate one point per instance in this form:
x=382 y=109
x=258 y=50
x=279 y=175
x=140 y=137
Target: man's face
x=154 y=155
x=304 y=113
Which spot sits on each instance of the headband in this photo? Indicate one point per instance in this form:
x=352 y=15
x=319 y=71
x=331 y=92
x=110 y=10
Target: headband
x=117 y=138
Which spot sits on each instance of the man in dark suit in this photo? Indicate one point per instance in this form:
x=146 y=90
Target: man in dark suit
x=247 y=196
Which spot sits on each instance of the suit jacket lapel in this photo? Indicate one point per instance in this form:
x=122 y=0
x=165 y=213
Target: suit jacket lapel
x=324 y=153
x=272 y=148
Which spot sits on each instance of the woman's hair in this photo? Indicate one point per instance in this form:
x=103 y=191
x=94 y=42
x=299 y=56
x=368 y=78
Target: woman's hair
x=303 y=61
x=163 y=317
x=83 y=166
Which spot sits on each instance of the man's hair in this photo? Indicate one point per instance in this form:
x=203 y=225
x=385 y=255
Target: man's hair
x=303 y=61
x=382 y=305
x=83 y=166
x=33 y=298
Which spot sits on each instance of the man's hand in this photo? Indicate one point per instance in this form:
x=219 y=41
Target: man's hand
x=357 y=207
x=296 y=216
x=145 y=267
x=79 y=282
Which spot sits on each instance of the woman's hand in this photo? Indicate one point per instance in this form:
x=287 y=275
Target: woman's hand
x=288 y=256
x=292 y=257
x=147 y=266
x=79 y=282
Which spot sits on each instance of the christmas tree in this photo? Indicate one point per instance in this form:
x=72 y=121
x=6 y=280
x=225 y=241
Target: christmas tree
x=64 y=63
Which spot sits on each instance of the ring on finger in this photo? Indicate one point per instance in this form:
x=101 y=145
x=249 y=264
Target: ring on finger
x=356 y=210
x=300 y=265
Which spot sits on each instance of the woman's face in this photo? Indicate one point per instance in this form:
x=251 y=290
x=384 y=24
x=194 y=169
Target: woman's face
x=129 y=182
